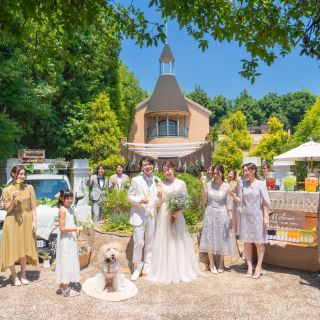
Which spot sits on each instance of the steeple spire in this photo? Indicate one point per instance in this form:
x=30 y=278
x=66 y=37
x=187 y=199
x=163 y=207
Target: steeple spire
x=166 y=59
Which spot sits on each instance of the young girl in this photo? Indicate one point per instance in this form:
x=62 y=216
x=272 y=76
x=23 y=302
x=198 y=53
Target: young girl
x=67 y=258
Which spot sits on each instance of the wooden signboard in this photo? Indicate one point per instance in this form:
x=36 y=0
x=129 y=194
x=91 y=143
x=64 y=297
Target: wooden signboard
x=31 y=155
x=291 y=219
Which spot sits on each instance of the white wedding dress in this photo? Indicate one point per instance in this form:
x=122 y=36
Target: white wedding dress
x=173 y=258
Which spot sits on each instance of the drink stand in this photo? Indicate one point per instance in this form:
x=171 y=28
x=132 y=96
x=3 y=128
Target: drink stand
x=294 y=221
x=293 y=230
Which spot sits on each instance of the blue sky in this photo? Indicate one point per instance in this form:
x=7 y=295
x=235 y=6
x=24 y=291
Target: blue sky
x=216 y=69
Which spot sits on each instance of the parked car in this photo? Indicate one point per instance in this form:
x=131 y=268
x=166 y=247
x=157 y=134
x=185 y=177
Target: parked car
x=46 y=187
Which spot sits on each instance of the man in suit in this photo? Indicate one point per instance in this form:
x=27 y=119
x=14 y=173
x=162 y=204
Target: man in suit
x=98 y=185
x=118 y=180
x=143 y=196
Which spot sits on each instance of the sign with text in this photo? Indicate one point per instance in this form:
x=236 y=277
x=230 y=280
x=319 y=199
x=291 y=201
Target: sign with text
x=281 y=218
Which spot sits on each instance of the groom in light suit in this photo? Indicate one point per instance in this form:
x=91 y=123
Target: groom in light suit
x=143 y=196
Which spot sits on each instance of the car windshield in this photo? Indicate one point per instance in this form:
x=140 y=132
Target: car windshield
x=47 y=188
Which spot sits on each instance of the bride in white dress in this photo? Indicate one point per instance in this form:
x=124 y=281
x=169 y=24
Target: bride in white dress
x=173 y=259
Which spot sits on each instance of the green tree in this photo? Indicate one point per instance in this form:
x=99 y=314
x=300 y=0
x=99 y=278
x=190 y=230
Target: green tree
x=199 y=96
x=131 y=94
x=93 y=131
x=228 y=154
x=221 y=107
x=249 y=107
x=235 y=127
x=271 y=104
x=10 y=134
x=237 y=139
x=294 y=105
x=273 y=141
x=266 y=29
x=308 y=128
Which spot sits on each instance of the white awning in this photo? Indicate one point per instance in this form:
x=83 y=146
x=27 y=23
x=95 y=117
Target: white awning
x=165 y=150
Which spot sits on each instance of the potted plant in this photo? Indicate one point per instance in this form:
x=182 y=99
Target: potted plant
x=84 y=253
x=45 y=259
x=60 y=164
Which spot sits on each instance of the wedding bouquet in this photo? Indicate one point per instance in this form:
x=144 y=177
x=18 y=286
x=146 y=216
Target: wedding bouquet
x=177 y=201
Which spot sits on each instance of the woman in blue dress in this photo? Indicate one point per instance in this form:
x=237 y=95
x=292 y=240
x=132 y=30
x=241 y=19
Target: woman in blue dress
x=255 y=202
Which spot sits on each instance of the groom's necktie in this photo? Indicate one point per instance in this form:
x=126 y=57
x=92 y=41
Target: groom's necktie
x=149 y=181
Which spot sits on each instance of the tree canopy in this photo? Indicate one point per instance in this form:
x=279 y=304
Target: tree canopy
x=288 y=108
x=267 y=29
x=237 y=139
x=94 y=131
x=308 y=128
x=43 y=85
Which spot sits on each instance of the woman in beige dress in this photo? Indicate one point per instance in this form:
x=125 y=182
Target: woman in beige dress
x=19 y=237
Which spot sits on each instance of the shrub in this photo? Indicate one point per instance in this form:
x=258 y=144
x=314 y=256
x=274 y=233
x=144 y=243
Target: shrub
x=118 y=223
x=194 y=214
x=116 y=203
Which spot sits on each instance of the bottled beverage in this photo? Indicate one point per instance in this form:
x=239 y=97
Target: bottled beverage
x=271 y=182
x=290 y=182
x=311 y=183
x=302 y=237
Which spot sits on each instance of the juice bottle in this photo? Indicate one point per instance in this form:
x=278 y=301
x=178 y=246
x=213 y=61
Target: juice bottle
x=271 y=182
x=290 y=181
x=311 y=183
x=301 y=239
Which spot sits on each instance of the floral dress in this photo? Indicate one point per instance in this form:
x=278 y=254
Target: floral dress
x=251 y=223
x=216 y=237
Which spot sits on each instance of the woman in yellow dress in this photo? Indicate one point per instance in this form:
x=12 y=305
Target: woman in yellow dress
x=19 y=228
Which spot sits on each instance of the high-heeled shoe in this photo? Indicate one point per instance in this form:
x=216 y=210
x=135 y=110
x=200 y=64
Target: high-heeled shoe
x=214 y=270
x=15 y=280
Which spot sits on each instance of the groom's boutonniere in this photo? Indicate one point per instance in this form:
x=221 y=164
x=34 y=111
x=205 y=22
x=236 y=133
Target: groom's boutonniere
x=156 y=181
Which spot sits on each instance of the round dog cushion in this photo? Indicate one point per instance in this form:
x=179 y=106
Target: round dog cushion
x=128 y=291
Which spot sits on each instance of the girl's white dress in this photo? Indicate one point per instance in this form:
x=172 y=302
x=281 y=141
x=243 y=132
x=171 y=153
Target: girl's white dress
x=67 y=256
x=173 y=258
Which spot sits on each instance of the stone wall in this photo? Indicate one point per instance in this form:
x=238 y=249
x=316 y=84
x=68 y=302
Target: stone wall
x=97 y=238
